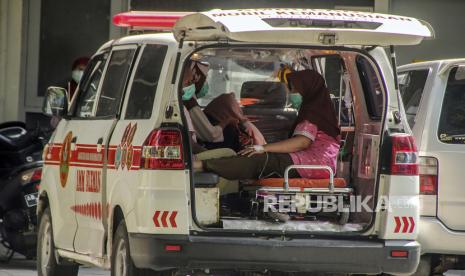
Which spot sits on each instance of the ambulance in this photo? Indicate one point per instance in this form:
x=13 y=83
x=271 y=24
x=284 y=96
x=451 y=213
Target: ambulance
x=119 y=190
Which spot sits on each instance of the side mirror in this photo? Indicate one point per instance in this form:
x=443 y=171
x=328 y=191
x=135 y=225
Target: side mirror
x=55 y=102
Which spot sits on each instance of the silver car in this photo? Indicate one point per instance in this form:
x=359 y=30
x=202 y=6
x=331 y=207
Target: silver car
x=433 y=94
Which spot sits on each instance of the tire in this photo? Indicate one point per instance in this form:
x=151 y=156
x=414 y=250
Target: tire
x=121 y=260
x=46 y=260
x=424 y=267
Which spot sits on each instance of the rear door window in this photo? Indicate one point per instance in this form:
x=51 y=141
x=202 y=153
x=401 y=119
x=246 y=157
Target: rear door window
x=451 y=127
x=411 y=86
x=371 y=88
x=145 y=82
x=114 y=83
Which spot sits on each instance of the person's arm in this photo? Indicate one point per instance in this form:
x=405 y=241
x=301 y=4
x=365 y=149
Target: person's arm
x=204 y=129
x=304 y=135
x=294 y=144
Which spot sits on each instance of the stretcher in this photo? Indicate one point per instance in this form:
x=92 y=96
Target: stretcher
x=315 y=191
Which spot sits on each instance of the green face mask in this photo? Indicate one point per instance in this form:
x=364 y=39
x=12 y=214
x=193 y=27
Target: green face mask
x=296 y=100
x=203 y=90
x=188 y=92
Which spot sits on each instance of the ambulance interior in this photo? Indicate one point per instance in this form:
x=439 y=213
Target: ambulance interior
x=252 y=74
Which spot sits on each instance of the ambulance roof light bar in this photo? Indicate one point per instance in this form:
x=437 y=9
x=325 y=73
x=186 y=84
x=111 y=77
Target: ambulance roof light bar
x=159 y=21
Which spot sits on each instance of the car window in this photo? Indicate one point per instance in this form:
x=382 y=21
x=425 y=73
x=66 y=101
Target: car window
x=331 y=67
x=114 y=83
x=145 y=82
x=411 y=86
x=90 y=84
x=371 y=88
x=451 y=127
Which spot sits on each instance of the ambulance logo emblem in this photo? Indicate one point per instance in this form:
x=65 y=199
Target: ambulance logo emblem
x=65 y=155
x=124 y=151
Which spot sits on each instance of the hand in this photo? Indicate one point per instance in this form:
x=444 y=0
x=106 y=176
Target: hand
x=252 y=150
x=247 y=128
x=191 y=103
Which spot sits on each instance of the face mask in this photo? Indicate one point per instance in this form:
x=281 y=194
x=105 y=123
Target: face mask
x=203 y=91
x=296 y=100
x=188 y=92
x=76 y=75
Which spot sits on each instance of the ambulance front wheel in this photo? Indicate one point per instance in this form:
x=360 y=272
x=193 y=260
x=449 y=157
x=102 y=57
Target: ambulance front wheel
x=46 y=260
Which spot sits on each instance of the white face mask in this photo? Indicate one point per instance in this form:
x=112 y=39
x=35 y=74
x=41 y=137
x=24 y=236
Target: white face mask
x=76 y=75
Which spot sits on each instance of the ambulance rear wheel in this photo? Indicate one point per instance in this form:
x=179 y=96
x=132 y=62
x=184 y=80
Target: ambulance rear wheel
x=121 y=261
x=46 y=260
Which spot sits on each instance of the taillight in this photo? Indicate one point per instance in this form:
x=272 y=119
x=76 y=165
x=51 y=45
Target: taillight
x=30 y=176
x=428 y=175
x=36 y=175
x=163 y=150
x=404 y=160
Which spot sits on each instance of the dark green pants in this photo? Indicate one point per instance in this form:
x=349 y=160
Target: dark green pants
x=255 y=167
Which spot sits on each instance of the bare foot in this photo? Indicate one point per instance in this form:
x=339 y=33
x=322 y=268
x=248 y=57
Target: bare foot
x=198 y=166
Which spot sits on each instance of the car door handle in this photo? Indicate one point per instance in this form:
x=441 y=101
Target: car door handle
x=73 y=143
x=99 y=144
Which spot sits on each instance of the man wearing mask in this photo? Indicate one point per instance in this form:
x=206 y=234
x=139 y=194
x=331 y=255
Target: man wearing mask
x=77 y=70
x=76 y=74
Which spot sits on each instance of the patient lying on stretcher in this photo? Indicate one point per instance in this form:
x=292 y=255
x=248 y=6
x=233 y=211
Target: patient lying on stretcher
x=315 y=139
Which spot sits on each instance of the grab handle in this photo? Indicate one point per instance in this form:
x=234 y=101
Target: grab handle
x=309 y=167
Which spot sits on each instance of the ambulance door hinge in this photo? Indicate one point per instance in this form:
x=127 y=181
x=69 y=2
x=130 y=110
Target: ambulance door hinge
x=327 y=38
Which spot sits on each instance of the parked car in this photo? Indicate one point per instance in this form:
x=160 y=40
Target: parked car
x=118 y=189
x=433 y=94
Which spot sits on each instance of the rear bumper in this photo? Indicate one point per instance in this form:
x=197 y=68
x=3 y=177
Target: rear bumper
x=436 y=238
x=324 y=255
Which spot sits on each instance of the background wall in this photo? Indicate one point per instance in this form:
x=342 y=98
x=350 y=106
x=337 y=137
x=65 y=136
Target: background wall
x=448 y=20
x=11 y=50
x=69 y=29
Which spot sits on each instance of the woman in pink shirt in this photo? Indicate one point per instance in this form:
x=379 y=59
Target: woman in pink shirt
x=314 y=141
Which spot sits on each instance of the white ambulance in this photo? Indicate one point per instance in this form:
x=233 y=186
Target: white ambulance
x=118 y=190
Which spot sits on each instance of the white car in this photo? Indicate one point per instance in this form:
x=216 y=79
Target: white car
x=118 y=190
x=434 y=99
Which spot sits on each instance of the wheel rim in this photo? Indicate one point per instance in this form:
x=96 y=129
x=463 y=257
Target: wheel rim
x=121 y=259
x=46 y=250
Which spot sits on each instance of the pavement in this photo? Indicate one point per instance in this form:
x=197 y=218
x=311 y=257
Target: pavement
x=22 y=267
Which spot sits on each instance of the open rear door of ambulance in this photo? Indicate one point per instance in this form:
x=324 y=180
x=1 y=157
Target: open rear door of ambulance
x=302 y=26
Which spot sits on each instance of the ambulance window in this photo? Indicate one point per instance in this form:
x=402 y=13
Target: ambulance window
x=451 y=129
x=114 y=83
x=331 y=68
x=371 y=88
x=145 y=82
x=90 y=84
x=411 y=86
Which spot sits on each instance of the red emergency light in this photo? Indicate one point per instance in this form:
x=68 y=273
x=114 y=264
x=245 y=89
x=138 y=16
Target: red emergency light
x=160 y=21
